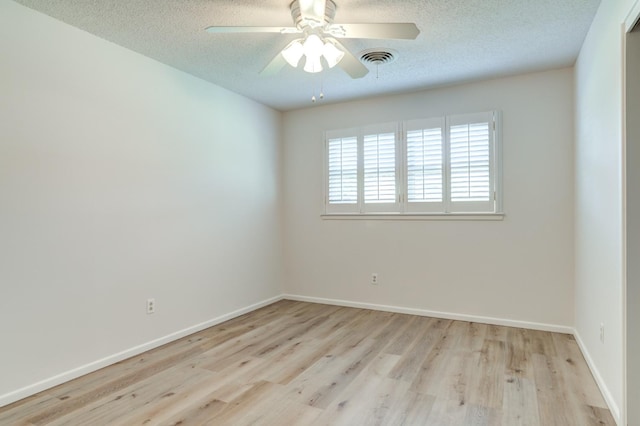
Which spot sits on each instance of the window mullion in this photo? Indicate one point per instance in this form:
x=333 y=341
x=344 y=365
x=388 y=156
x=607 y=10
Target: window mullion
x=360 y=171
x=401 y=161
x=446 y=169
x=497 y=160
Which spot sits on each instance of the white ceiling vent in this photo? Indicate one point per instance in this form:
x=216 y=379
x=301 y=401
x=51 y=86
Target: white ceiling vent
x=378 y=56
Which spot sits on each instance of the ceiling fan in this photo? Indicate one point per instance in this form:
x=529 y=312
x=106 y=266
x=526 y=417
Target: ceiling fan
x=314 y=20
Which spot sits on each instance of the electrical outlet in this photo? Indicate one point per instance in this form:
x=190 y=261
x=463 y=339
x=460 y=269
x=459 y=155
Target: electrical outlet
x=151 y=306
x=374 y=278
x=602 y=332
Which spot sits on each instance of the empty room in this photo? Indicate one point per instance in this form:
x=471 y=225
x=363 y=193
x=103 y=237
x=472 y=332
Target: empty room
x=317 y=212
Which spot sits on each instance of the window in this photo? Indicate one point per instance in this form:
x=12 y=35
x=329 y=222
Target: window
x=440 y=165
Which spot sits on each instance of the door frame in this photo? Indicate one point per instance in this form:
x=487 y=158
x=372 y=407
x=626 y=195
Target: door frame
x=633 y=17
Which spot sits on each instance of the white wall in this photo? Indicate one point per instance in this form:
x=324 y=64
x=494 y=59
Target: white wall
x=518 y=269
x=122 y=179
x=598 y=205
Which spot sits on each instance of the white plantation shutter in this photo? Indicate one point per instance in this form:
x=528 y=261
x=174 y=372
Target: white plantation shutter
x=380 y=168
x=342 y=170
x=470 y=150
x=441 y=165
x=424 y=152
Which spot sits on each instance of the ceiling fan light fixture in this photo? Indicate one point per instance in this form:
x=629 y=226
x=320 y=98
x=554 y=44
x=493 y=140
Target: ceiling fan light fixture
x=293 y=53
x=332 y=54
x=313 y=64
x=313 y=46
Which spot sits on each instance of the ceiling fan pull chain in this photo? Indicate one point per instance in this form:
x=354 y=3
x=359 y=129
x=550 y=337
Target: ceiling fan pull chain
x=320 y=94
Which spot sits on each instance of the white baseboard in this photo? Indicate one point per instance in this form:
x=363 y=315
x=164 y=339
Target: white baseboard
x=608 y=398
x=436 y=314
x=45 y=384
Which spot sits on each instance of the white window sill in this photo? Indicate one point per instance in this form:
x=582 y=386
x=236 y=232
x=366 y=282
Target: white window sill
x=413 y=216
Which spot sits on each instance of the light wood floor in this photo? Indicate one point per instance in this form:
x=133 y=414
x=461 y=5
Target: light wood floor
x=294 y=363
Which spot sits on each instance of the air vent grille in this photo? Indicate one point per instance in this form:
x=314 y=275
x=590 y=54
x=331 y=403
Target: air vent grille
x=378 y=56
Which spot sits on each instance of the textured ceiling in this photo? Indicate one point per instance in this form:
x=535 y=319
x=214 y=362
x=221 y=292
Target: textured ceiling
x=460 y=40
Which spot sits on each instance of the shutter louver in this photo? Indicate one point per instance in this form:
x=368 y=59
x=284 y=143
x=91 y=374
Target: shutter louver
x=343 y=170
x=380 y=168
x=469 y=151
x=424 y=165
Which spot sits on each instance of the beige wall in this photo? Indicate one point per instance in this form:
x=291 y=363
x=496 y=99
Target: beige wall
x=599 y=227
x=121 y=179
x=518 y=269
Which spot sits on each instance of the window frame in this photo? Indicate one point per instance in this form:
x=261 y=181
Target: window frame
x=402 y=208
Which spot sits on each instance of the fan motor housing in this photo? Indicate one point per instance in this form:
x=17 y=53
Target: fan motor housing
x=329 y=14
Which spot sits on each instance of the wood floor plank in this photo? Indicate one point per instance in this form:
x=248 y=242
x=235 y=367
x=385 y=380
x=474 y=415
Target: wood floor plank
x=320 y=385
x=451 y=404
x=481 y=416
x=284 y=411
x=405 y=336
x=201 y=413
x=181 y=398
x=109 y=386
x=414 y=353
x=576 y=372
x=520 y=404
x=261 y=340
x=518 y=360
x=251 y=406
x=540 y=342
x=446 y=412
x=18 y=412
x=432 y=371
x=132 y=399
x=139 y=367
x=486 y=378
x=298 y=363
x=393 y=323
x=410 y=408
x=367 y=394
x=473 y=337
x=496 y=332
x=553 y=399
x=292 y=361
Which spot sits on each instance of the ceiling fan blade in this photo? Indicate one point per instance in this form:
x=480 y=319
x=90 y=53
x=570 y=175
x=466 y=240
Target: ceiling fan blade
x=402 y=31
x=280 y=30
x=276 y=64
x=313 y=10
x=350 y=64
